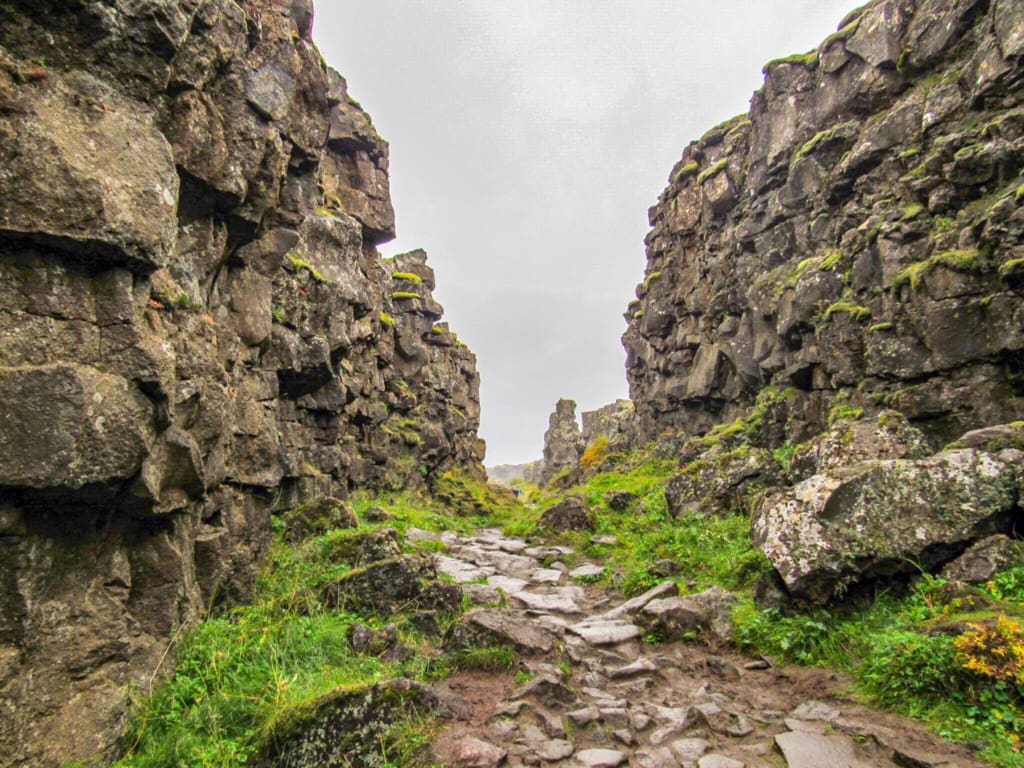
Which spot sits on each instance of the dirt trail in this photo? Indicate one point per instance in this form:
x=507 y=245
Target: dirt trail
x=601 y=696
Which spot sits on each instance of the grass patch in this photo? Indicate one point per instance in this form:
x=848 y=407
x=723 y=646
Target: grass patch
x=712 y=170
x=299 y=263
x=856 y=311
x=402 y=295
x=409 y=277
x=386 y=320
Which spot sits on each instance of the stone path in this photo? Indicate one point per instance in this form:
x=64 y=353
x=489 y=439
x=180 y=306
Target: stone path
x=598 y=695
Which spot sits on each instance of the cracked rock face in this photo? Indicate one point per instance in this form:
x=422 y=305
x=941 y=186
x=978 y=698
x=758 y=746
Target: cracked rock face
x=195 y=326
x=856 y=238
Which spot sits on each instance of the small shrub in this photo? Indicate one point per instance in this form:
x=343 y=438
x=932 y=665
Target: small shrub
x=595 y=453
x=994 y=651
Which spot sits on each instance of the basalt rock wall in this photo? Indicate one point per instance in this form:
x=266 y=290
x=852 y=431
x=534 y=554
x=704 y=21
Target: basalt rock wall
x=855 y=242
x=196 y=329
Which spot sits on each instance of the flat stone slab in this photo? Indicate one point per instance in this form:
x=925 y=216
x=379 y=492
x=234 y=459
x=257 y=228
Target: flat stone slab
x=461 y=571
x=418 y=534
x=587 y=571
x=553 y=603
x=474 y=753
x=546 y=576
x=606 y=632
x=555 y=749
x=600 y=758
x=507 y=583
x=721 y=761
x=641 y=666
x=814 y=750
x=634 y=605
x=481 y=594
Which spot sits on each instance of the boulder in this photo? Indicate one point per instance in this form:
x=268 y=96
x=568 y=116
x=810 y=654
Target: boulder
x=685 y=616
x=347 y=726
x=383 y=587
x=887 y=435
x=484 y=627
x=619 y=500
x=984 y=559
x=363 y=547
x=721 y=481
x=570 y=515
x=881 y=518
x=317 y=517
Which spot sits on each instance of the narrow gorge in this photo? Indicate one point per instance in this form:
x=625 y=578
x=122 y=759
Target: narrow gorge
x=221 y=407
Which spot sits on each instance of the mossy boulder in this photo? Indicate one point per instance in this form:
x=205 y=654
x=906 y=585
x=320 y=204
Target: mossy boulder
x=363 y=547
x=883 y=518
x=384 y=587
x=317 y=517
x=721 y=481
x=569 y=515
x=847 y=442
x=350 y=726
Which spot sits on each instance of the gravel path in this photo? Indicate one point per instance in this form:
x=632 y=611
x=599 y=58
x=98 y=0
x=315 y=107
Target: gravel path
x=599 y=695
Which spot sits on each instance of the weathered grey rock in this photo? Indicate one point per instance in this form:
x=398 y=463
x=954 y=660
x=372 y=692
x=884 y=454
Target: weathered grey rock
x=87 y=171
x=635 y=604
x=569 y=515
x=381 y=586
x=689 y=750
x=318 y=516
x=811 y=750
x=471 y=752
x=719 y=761
x=555 y=750
x=600 y=758
x=606 y=631
x=71 y=426
x=681 y=617
x=486 y=627
x=374 y=642
x=781 y=251
x=984 y=559
x=563 y=442
x=587 y=571
x=619 y=500
x=836 y=529
x=720 y=482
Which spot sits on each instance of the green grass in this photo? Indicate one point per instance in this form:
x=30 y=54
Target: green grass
x=238 y=673
x=856 y=311
x=299 y=263
x=409 y=277
x=900 y=660
x=712 y=170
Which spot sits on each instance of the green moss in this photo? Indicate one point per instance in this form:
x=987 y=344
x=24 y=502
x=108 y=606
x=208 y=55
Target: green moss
x=438 y=330
x=844 y=412
x=901 y=62
x=911 y=211
x=1012 y=268
x=960 y=260
x=299 y=262
x=638 y=314
x=402 y=295
x=650 y=280
x=809 y=60
x=408 y=276
x=1019 y=194
x=943 y=224
x=815 y=141
x=405 y=428
x=685 y=171
x=712 y=170
x=856 y=311
x=278 y=314
x=386 y=320
x=830 y=260
x=909 y=154
x=879 y=327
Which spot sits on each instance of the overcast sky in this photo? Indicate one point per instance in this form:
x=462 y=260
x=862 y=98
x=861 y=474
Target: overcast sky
x=528 y=139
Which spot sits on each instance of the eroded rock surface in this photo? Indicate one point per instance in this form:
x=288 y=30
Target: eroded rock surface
x=195 y=327
x=855 y=240
x=597 y=694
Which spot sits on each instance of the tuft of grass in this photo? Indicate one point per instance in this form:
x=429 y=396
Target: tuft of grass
x=299 y=262
x=402 y=295
x=856 y=311
x=879 y=327
x=409 y=277
x=386 y=320
x=712 y=170
x=685 y=171
x=830 y=260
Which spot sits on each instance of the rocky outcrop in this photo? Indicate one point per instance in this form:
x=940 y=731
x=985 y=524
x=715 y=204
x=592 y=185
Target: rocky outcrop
x=855 y=241
x=613 y=422
x=195 y=329
x=563 y=442
x=880 y=518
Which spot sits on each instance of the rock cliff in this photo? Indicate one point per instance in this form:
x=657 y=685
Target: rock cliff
x=855 y=242
x=196 y=329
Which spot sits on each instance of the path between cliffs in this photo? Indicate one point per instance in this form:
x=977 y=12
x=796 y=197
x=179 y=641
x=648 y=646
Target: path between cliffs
x=600 y=695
